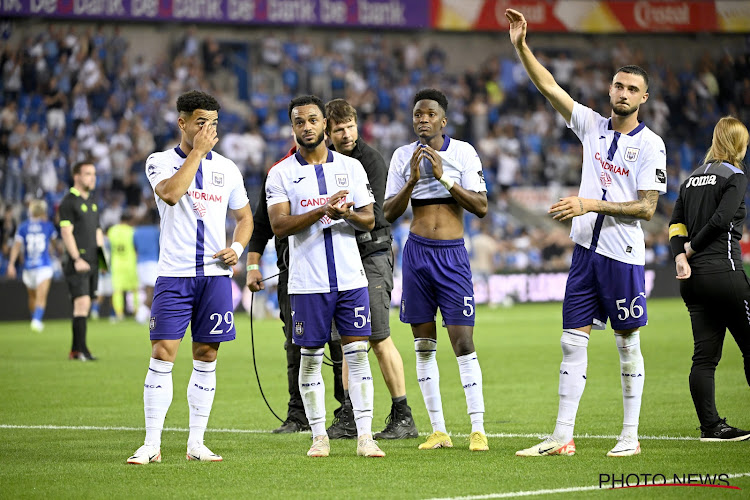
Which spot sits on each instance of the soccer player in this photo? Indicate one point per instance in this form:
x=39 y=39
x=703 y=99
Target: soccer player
x=83 y=240
x=705 y=233
x=194 y=188
x=377 y=258
x=318 y=198
x=442 y=177
x=33 y=238
x=122 y=263
x=624 y=170
x=146 y=242
x=296 y=420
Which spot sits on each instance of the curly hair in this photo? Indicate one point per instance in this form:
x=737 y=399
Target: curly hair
x=195 y=99
x=432 y=95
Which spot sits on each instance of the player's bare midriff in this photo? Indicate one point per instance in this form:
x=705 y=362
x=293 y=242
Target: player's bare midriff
x=438 y=222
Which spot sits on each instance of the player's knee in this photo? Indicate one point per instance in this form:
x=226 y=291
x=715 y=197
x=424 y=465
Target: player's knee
x=205 y=352
x=463 y=346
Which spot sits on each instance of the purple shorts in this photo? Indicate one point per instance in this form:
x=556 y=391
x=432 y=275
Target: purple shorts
x=599 y=288
x=205 y=302
x=436 y=273
x=312 y=314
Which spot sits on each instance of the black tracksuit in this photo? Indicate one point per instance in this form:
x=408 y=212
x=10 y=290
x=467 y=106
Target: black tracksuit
x=710 y=213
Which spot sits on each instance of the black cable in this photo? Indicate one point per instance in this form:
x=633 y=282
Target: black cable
x=255 y=364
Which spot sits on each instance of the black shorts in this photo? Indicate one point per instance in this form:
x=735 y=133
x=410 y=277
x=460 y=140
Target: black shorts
x=80 y=284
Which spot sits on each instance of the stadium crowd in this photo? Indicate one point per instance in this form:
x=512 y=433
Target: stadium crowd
x=69 y=93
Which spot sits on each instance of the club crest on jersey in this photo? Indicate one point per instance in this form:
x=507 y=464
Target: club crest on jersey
x=342 y=180
x=299 y=328
x=605 y=179
x=631 y=154
x=217 y=179
x=199 y=209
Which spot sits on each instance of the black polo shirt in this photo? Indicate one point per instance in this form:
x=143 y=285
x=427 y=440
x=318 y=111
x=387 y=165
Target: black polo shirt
x=710 y=213
x=83 y=215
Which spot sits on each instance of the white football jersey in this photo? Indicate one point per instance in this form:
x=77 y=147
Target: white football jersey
x=615 y=167
x=194 y=229
x=460 y=162
x=324 y=257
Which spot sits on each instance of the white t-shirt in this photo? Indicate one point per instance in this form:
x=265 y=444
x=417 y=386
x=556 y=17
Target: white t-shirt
x=615 y=167
x=194 y=229
x=324 y=257
x=460 y=162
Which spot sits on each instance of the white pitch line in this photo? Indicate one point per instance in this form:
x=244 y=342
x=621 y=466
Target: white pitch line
x=118 y=428
x=261 y=431
x=574 y=489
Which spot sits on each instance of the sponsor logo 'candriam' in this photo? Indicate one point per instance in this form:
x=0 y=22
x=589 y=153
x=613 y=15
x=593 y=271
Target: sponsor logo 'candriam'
x=648 y=15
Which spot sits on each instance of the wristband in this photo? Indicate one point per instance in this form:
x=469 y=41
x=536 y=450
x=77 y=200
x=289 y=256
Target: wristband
x=253 y=267
x=446 y=181
x=238 y=248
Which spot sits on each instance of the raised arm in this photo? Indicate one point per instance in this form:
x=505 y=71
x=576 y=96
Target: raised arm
x=172 y=189
x=542 y=78
x=394 y=207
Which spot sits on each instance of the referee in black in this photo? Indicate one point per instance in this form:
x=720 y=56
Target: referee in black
x=82 y=238
x=704 y=234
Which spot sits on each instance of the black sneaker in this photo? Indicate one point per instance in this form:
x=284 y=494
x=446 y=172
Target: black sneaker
x=290 y=425
x=398 y=425
x=724 y=432
x=343 y=426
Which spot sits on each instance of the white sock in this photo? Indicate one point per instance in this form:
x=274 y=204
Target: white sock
x=157 y=396
x=633 y=374
x=428 y=377
x=471 y=379
x=572 y=382
x=312 y=389
x=200 y=395
x=360 y=385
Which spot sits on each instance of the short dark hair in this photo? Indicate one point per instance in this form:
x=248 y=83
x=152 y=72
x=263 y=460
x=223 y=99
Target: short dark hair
x=195 y=99
x=339 y=111
x=304 y=100
x=432 y=95
x=634 y=70
x=79 y=165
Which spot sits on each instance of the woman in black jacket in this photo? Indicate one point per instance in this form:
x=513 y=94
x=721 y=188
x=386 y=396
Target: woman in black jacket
x=704 y=234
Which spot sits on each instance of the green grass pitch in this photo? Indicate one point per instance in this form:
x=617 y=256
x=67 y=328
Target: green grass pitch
x=67 y=427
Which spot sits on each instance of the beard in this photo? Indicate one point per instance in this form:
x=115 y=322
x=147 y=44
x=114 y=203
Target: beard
x=310 y=145
x=623 y=112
